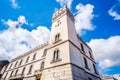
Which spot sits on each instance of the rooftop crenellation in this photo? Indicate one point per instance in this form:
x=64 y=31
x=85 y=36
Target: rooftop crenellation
x=61 y=12
x=32 y=50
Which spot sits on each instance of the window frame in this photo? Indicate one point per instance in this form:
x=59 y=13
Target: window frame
x=82 y=47
x=15 y=63
x=30 y=69
x=57 y=37
x=95 y=70
x=23 y=70
x=16 y=72
x=6 y=75
x=56 y=55
x=11 y=73
x=20 y=62
x=34 y=56
x=91 y=56
x=10 y=65
x=44 y=53
x=86 y=63
x=42 y=66
x=27 y=59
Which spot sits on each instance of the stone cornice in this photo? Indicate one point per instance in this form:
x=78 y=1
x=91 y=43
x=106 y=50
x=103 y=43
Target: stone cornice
x=26 y=64
x=32 y=50
x=58 y=14
x=83 y=42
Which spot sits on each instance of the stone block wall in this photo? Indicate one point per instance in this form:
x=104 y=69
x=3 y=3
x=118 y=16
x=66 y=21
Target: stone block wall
x=82 y=74
x=58 y=73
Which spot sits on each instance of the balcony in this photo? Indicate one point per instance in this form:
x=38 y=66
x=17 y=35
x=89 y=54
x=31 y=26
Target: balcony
x=18 y=76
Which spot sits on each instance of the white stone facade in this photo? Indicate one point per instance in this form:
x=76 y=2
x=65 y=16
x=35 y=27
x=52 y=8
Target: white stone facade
x=64 y=57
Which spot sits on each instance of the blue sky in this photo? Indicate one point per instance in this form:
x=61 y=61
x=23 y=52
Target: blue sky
x=25 y=24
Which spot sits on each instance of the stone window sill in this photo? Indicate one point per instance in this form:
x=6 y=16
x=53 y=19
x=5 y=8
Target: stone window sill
x=87 y=68
x=54 y=61
x=57 y=41
x=96 y=73
x=29 y=73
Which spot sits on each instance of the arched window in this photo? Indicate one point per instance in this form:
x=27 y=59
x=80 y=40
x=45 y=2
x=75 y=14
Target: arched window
x=42 y=66
x=56 y=55
x=57 y=37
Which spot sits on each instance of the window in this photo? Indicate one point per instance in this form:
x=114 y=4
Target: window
x=23 y=70
x=86 y=64
x=90 y=55
x=82 y=48
x=10 y=66
x=30 y=70
x=57 y=37
x=95 y=69
x=89 y=78
x=56 y=55
x=34 y=56
x=16 y=64
x=16 y=72
x=45 y=52
x=11 y=73
x=6 y=75
x=27 y=59
x=20 y=62
x=42 y=66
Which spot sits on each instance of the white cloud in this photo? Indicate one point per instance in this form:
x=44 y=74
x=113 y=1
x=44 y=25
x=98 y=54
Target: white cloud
x=16 y=40
x=114 y=11
x=14 y=4
x=83 y=18
x=106 y=51
x=13 y=24
x=65 y=2
x=22 y=20
x=114 y=14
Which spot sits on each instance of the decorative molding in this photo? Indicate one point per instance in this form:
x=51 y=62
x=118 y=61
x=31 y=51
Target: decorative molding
x=26 y=64
x=62 y=12
x=18 y=76
x=29 y=52
x=54 y=61
x=83 y=42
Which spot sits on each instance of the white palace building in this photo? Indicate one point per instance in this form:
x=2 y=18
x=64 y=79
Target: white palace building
x=64 y=57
